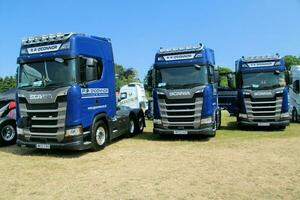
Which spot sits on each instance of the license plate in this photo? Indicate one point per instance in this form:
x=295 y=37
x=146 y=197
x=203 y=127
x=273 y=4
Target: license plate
x=263 y=124
x=180 y=132
x=42 y=146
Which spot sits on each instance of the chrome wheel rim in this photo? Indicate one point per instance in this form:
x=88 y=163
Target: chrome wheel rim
x=100 y=136
x=8 y=133
x=131 y=126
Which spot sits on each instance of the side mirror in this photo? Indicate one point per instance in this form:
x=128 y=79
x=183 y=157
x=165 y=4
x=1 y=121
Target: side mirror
x=90 y=69
x=217 y=76
x=230 y=81
x=289 y=78
x=90 y=62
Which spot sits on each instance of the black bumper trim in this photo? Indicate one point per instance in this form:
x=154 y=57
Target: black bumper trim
x=74 y=144
x=200 y=131
x=275 y=123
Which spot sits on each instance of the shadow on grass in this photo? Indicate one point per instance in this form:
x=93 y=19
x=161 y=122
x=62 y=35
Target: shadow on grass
x=234 y=126
x=147 y=135
x=24 y=151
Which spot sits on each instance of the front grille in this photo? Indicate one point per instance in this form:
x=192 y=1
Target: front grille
x=263 y=109
x=181 y=113
x=47 y=119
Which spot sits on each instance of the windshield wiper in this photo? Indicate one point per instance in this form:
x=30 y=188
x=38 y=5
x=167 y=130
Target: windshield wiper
x=58 y=83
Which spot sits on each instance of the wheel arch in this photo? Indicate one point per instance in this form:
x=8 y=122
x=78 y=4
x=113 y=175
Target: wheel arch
x=104 y=118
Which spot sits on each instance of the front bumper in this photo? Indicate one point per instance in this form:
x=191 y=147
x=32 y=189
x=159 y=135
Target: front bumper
x=74 y=143
x=206 y=131
x=282 y=122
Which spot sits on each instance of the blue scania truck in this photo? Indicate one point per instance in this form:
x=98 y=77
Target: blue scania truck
x=66 y=94
x=262 y=91
x=185 y=91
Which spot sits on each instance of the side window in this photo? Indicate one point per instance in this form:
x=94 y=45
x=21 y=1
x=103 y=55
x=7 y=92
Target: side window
x=90 y=69
x=296 y=86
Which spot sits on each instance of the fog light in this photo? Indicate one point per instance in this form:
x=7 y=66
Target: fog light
x=20 y=131
x=157 y=121
x=285 y=115
x=73 y=132
x=241 y=115
x=206 y=120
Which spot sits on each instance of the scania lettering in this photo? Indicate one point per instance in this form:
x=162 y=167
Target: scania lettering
x=66 y=94
x=185 y=91
x=262 y=91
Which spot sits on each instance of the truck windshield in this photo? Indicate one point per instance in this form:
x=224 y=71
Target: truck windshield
x=263 y=80
x=47 y=73
x=182 y=77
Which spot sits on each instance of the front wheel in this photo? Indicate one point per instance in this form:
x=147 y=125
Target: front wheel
x=8 y=134
x=99 y=136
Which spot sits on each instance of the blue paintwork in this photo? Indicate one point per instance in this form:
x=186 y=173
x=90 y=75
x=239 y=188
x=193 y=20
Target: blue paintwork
x=240 y=69
x=210 y=101
x=77 y=107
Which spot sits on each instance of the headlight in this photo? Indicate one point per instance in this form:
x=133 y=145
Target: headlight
x=241 y=115
x=285 y=115
x=73 y=132
x=206 y=120
x=157 y=121
x=20 y=131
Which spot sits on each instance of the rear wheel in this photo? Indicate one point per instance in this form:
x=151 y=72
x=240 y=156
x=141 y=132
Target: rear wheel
x=8 y=134
x=99 y=136
x=140 y=124
x=131 y=128
x=218 y=117
x=294 y=115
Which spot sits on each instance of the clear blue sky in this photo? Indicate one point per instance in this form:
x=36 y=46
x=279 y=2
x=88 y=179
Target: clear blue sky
x=232 y=28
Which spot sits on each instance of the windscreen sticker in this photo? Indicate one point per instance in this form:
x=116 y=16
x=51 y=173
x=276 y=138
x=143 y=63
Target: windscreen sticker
x=94 y=92
x=43 y=49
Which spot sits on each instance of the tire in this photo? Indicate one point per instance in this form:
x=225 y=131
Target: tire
x=8 y=134
x=140 y=124
x=219 y=118
x=131 y=127
x=294 y=115
x=99 y=136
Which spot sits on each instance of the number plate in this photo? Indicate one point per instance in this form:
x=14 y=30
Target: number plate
x=180 y=132
x=42 y=146
x=263 y=124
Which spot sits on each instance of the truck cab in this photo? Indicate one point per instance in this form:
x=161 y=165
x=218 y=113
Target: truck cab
x=66 y=94
x=185 y=91
x=262 y=91
x=133 y=95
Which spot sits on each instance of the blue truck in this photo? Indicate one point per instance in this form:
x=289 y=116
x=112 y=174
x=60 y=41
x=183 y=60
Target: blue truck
x=185 y=91
x=262 y=91
x=66 y=94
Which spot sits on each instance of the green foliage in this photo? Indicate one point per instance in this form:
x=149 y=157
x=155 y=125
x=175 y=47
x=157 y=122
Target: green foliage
x=7 y=82
x=291 y=60
x=224 y=70
x=223 y=79
x=124 y=76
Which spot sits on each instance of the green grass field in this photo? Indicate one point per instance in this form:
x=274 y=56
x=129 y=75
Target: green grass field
x=248 y=164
